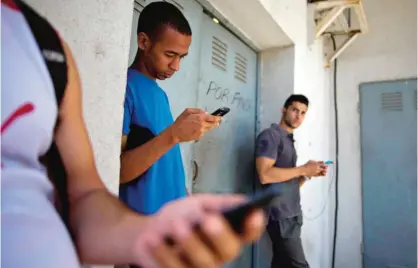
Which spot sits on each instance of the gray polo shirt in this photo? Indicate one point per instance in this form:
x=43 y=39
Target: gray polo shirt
x=277 y=144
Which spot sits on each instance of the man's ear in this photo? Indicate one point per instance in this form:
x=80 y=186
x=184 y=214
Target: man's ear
x=143 y=41
x=283 y=110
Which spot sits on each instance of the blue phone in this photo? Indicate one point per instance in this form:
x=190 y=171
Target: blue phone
x=329 y=162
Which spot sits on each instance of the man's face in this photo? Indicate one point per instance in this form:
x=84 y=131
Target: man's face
x=294 y=114
x=162 y=56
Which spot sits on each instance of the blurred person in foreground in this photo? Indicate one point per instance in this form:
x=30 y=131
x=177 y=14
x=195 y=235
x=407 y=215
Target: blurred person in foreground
x=100 y=229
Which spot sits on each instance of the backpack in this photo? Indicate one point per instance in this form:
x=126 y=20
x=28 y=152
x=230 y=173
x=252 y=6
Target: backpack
x=52 y=50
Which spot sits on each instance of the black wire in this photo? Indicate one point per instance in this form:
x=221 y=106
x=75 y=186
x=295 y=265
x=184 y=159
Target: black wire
x=334 y=244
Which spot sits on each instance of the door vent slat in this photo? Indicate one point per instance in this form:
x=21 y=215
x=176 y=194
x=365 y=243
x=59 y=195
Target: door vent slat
x=391 y=101
x=240 y=67
x=219 y=54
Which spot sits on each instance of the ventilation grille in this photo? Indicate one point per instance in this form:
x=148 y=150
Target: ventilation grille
x=391 y=101
x=240 y=68
x=219 y=53
x=175 y=3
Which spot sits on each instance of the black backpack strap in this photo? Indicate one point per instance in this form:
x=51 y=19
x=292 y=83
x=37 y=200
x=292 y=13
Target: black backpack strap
x=53 y=53
x=50 y=46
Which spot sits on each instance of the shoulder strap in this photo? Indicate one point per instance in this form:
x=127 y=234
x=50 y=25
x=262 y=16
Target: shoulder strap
x=53 y=53
x=50 y=46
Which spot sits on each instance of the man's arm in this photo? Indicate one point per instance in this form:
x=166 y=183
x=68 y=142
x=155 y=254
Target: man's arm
x=136 y=161
x=104 y=229
x=268 y=173
x=267 y=149
x=192 y=124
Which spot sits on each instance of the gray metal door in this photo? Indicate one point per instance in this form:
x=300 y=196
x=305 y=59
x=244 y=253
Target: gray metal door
x=224 y=158
x=389 y=173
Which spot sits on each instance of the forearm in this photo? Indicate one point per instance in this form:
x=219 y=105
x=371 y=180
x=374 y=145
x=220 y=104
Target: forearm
x=275 y=174
x=104 y=229
x=136 y=161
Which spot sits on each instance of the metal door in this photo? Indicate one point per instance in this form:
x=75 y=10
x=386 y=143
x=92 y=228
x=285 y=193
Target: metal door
x=389 y=173
x=224 y=158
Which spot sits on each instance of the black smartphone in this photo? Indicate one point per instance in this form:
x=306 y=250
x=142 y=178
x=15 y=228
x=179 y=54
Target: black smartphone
x=236 y=215
x=221 y=111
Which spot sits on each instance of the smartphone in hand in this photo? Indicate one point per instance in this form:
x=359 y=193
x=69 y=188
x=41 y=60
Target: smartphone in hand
x=221 y=111
x=236 y=215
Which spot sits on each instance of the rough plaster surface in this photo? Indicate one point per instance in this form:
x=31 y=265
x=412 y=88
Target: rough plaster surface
x=387 y=52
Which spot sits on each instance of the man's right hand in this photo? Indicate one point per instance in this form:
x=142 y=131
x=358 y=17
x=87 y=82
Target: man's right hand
x=314 y=168
x=191 y=232
x=192 y=124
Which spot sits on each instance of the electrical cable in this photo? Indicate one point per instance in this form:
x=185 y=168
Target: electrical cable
x=322 y=210
x=334 y=242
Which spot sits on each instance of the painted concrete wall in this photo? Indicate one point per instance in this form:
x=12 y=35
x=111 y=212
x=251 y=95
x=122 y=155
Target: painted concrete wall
x=100 y=46
x=388 y=51
x=239 y=16
x=276 y=83
x=314 y=141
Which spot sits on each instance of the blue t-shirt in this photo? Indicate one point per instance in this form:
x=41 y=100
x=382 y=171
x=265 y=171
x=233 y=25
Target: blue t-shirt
x=146 y=114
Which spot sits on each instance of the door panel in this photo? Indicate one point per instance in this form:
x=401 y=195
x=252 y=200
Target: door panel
x=225 y=156
x=389 y=173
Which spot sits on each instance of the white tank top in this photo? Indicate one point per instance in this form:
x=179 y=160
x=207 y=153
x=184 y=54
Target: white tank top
x=32 y=233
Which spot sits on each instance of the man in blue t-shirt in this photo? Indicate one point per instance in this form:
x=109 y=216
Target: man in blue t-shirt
x=152 y=172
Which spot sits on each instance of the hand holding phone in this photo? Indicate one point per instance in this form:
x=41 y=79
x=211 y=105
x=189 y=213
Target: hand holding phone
x=221 y=111
x=236 y=215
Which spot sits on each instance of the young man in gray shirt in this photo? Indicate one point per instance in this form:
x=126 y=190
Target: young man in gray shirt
x=276 y=164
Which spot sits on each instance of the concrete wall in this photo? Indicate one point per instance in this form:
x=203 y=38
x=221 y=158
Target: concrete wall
x=100 y=45
x=388 y=51
x=275 y=83
x=314 y=140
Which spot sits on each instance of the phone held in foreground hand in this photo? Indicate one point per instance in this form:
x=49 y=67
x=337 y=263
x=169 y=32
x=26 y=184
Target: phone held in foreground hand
x=236 y=215
x=221 y=111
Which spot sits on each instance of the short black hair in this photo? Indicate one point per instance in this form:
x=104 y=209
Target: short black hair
x=158 y=15
x=296 y=98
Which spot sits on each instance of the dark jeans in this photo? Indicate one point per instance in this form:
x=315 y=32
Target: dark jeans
x=287 y=244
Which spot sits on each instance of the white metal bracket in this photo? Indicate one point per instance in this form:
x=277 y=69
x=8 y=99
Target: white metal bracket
x=331 y=14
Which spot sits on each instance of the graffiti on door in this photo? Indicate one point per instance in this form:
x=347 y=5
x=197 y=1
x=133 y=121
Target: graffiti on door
x=225 y=95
